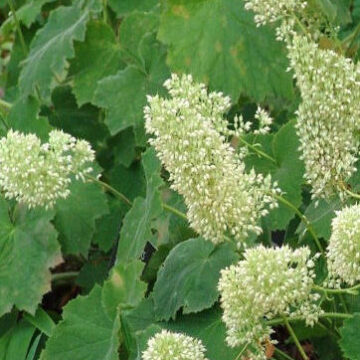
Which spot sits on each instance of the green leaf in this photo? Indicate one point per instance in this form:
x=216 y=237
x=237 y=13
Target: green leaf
x=76 y=215
x=124 y=7
x=136 y=230
x=26 y=14
x=85 y=332
x=32 y=350
x=206 y=326
x=24 y=117
x=96 y=58
x=209 y=328
x=337 y=11
x=41 y=320
x=124 y=95
x=123 y=289
x=124 y=147
x=17 y=341
x=287 y=170
x=349 y=343
x=94 y=271
x=320 y=213
x=189 y=277
x=17 y=56
x=289 y=174
x=217 y=42
x=326 y=348
x=82 y=122
x=28 y=249
x=51 y=47
x=108 y=226
x=133 y=28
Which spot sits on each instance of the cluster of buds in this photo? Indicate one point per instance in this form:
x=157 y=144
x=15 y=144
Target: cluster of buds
x=269 y=282
x=38 y=174
x=190 y=137
x=167 y=345
x=343 y=255
x=328 y=116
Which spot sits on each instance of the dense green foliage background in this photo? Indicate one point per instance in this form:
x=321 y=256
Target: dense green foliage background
x=86 y=67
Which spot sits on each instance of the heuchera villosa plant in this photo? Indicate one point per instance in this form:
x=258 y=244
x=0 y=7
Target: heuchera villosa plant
x=179 y=180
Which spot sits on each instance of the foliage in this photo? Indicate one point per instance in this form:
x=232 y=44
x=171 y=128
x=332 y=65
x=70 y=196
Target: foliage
x=117 y=261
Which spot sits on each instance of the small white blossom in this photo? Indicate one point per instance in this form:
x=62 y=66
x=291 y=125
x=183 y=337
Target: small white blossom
x=37 y=174
x=328 y=115
x=269 y=11
x=343 y=255
x=173 y=346
x=265 y=121
x=269 y=282
x=188 y=128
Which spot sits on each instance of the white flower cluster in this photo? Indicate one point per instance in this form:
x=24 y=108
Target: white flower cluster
x=173 y=346
x=328 y=115
x=269 y=11
x=264 y=121
x=37 y=174
x=343 y=255
x=188 y=129
x=269 y=282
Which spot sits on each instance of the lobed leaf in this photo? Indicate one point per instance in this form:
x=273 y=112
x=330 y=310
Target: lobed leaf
x=28 y=249
x=189 y=277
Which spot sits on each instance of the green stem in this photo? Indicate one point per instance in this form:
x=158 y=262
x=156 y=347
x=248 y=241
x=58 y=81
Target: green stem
x=296 y=340
x=303 y=219
x=5 y=104
x=18 y=28
x=56 y=277
x=127 y=201
x=174 y=211
x=343 y=303
x=121 y=196
x=283 y=354
x=6 y=125
x=241 y=352
x=351 y=290
x=329 y=315
x=255 y=149
x=352 y=194
x=105 y=13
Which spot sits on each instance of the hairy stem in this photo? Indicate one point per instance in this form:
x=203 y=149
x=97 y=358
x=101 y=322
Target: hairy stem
x=352 y=194
x=256 y=150
x=118 y=194
x=5 y=104
x=56 y=277
x=303 y=219
x=329 y=315
x=128 y=202
x=350 y=291
x=282 y=354
x=18 y=28
x=296 y=340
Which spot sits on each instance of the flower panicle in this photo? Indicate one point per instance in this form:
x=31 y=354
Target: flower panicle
x=343 y=253
x=38 y=174
x=190 y=137
x=328 y=116
x=167 y=345
x=269 y=282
